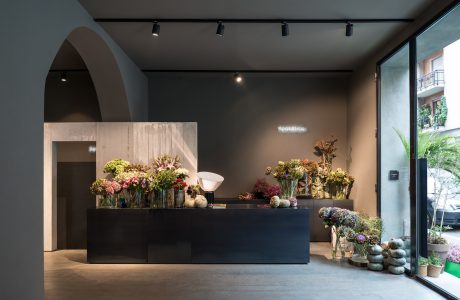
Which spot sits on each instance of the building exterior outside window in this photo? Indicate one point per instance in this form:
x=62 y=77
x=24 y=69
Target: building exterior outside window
x=438 y=90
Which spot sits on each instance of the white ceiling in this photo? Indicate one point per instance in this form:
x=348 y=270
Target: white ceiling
x=252 y=46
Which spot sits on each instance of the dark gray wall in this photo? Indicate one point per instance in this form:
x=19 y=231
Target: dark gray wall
x=72 y=101
x=237 y=124
x=31 y=33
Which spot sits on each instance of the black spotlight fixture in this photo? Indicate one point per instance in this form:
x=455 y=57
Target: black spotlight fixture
x=238 y=78
x=63 y=77
x=284 y=29
x=349 y=29
x=156 y=29
x=220 y=28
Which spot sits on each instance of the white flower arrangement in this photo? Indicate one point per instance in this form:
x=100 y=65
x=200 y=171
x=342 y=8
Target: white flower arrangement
x=182 y=172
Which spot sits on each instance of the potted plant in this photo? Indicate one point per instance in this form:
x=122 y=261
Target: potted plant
x=453 y=261
x=423 y=266
x=435 y=265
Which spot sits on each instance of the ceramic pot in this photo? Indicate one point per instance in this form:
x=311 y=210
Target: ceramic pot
x=441 y=249
x=423 y=270
x=434 y=271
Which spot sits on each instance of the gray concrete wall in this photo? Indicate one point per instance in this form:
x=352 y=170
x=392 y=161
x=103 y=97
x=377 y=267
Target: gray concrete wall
x=31 y=33
x=362 y=115
x=237 y=124
x=395 y=115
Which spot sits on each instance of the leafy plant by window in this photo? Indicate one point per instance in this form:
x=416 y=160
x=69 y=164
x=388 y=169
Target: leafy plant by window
x=423 y=261
x=440 y=112
x=424 y=113
x=435 y=259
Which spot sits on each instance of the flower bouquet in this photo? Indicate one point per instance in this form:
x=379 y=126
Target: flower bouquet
x=287 y=174
x=341 y=221
x=108 y=190
x=179 y=187
x=339 y=184
x=116 y=166
x=163 y=183
x=135 y=184
x=453 y=261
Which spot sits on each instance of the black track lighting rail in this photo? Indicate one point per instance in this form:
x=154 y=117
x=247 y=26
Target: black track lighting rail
x=246 y=71
x=292 y=21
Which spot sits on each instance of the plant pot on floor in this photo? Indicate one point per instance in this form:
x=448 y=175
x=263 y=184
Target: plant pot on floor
x=434 y=271
x=441 y=249
x=452 y=268
x=423 y=270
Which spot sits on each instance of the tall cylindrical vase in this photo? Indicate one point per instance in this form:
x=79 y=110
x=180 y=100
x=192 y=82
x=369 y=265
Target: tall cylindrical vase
x=159 y=199
x=179 y=198
x=170 y=198
x=137 y=199
x=288 y=188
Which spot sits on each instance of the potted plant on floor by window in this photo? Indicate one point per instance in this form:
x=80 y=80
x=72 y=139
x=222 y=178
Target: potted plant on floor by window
x=453 y=261
x=435 y=265
x=423 y=266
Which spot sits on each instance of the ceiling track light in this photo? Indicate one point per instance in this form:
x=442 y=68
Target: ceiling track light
x=156 y=29
x=284 y=29
x=63 y=77
x=238 y=78
x=220 y=28
x=349 y=29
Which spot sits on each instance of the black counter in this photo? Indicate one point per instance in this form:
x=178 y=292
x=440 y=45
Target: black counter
x=238 y=234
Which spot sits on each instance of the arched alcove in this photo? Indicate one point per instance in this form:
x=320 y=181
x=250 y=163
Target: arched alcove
x=105 y=73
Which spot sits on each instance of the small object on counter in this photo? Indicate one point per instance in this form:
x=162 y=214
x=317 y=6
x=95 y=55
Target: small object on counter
x=200 y=201
x=293 y=201
x=284 y=203
x=275 y=201
x=189 y=202
x=246 y=196
x=219 y=206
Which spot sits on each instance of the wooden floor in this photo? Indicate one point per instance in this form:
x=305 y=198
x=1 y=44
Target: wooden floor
x=69 y=277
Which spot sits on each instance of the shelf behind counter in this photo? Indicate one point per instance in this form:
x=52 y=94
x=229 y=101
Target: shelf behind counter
x=318 y=233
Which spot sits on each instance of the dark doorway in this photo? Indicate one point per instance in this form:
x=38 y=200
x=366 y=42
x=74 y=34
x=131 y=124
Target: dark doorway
x=76 y=170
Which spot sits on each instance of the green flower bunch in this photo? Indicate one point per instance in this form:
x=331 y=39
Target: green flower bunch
x=116 y=166
x=164 y=179
x=291 y=169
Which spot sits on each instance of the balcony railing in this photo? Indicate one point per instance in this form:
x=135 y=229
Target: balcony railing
x=432 y=79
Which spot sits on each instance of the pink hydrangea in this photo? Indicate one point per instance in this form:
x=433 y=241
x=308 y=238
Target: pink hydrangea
x=454 y=254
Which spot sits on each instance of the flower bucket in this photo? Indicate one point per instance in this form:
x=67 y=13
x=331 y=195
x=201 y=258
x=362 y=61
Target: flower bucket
x=452 y=268
x=434 y=271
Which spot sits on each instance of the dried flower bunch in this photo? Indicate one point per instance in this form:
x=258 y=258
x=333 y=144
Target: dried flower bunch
x=335 y=216
x=291 y=169
x=325 y=150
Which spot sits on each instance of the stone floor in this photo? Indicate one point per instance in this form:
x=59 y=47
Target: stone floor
x=68 y=277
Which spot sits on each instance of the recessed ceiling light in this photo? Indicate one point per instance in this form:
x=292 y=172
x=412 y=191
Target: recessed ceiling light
x=284 y=29
x=63 y=77
x=238 y=78
x=156 y=29
x=349 y=29
x=220 y=28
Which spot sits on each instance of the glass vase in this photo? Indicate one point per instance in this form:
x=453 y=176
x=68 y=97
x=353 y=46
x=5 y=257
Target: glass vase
x=159 y=199
x=107 y=201
x=288 y=188
x=179 y=198
x=360 y=251
x=136 y=200
x=170 y=198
